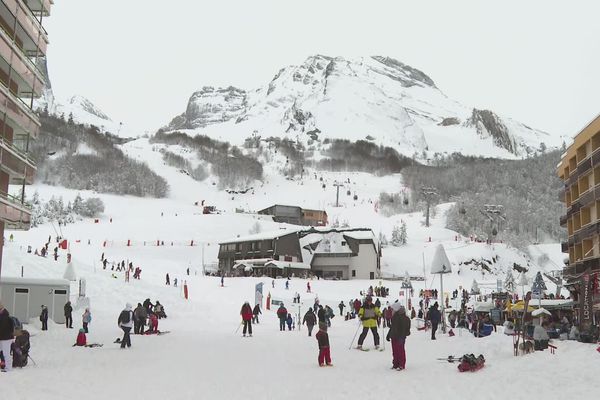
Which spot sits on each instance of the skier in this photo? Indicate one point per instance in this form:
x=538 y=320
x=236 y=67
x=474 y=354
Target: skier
x=175 y=282
x=140 y=315
x=369 y=315
x=321 y=315
x=247 y=313
x=324 y=351
x=397 y=334
x=255 y=313
x=86 y=318
x=273 y=283
x=282 y=315
x=68 y=315
x=44 y=318
x=222 y=280
x=434 y=317
x=310 y=320
x=287 y=285
x=341 y=307
x=307 y=287
x=152 y=324
x=7 y=332
x=125 y=322
x=167 y=279
x=148 y=306
x=289 y=320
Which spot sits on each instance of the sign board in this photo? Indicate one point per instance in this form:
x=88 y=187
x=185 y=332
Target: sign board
x=496 y=315
x=501 y=296
x=276 y=302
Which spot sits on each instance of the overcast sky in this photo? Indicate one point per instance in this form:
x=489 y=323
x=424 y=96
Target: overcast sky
x=140 y=60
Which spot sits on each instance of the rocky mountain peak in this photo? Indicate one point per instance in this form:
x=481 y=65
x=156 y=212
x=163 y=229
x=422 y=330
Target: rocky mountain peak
x=87 y=106
x=408 y=75
x=488 y=124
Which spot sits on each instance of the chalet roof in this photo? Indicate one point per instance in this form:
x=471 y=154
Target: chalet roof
x=262 y=236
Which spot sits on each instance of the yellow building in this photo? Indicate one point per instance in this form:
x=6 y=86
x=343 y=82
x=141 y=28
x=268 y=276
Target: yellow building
x=23 y=41
x=579 y=169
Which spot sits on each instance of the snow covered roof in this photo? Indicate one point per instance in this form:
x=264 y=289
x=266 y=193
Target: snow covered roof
x=333 y=242
x=287 y=264
x=261 y=236
x=33 y=281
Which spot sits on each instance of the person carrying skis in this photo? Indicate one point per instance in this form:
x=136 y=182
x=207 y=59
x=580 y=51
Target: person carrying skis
x=310 y=320
x=86 y=318
x=140 y=314
x=125 y=322
x=247 y=313
x=434 y=317
x=369 y=315
x=282 y=315
x=68 y=315
x=397 y=334
x=255 y=313
x=324 y=350
x=44 y=318
x=341 y=306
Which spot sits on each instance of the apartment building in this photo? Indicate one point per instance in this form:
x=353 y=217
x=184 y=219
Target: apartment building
x=23 y=41
x=579 y=169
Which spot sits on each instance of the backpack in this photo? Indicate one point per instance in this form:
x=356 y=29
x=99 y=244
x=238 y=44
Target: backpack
x=124 y=317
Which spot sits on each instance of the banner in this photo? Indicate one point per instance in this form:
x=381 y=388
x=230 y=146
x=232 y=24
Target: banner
x=258 y=294
x=585 y=299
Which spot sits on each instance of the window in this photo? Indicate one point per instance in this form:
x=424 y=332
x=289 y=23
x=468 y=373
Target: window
x=353 y=273
x=21 y=290
x=287 y=258
x=371 y=275
x=60 y=291
x=344 y=243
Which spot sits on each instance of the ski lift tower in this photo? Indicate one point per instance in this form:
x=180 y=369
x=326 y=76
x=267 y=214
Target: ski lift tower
x=441 y=265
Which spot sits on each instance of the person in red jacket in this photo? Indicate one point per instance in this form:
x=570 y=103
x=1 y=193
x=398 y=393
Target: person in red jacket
x=246 y=313
x=282 y=315
x=323 y=340
x=81 y=339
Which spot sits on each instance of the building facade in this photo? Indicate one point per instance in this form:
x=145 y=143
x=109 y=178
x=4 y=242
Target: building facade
x=268 y=246
x=579 y=169
x=295 y=215
x=335 y=254
x=23 y=41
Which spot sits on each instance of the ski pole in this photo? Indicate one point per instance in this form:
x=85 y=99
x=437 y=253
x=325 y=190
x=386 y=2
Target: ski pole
x=383 y=334
x=32 y=360
x=238 y=328
x=356 y=333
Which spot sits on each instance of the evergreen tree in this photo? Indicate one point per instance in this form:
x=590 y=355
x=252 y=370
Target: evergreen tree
x=396 y=239
x=403 y=233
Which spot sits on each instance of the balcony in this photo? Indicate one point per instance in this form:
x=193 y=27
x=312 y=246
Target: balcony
x=21 y=118
x=30 y=35
x=24 y=74
x=39 y=7
x=563 y=220
x=15 y=214
x=17 y=164
x=564 y=247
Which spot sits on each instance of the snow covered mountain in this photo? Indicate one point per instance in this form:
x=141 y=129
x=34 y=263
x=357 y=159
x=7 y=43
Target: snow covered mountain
x=374 y=98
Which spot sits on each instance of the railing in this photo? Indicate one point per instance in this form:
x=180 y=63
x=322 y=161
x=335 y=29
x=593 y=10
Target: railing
x=17 y=152
x=15 y=202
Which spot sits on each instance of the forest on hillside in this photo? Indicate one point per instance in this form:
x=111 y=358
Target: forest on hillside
x=526 y=189
x=102 y=167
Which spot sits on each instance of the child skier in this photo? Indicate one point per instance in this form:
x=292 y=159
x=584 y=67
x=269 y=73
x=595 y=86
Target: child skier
x=81 y=338
x=323 y=340
x=289 y=321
